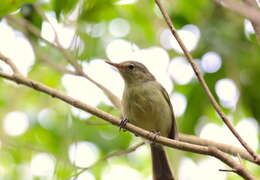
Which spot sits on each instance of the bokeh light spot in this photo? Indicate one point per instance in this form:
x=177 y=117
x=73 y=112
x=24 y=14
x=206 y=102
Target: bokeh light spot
x=185 y=164
x=16 y=123
x=179 y=103
x=165 y=39
x=248 y=28
x=140 y=155
x=249 y=125
x=106 y=75
x=96 y=30
x=227 y=92
x=180 y=71
x=82 y=89
x=65 y=33
x=211 y=62
x=14 y=45
x=120 y=50
x=124 y=2
x=119 y=27
x=86 y=175
x=83 y=115
x=197 y=170
x=42 y=164
x=45 y=118
x=116 y=172
x=189 y=34
x=83 y=153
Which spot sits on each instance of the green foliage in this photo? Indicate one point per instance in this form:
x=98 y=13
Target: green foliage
x=8 y=6
x=221 y=31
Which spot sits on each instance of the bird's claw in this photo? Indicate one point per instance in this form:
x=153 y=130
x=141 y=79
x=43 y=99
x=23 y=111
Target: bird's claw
x=122 y=124
x=154 y=135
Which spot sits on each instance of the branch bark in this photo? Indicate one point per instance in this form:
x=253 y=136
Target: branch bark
x=204 y=84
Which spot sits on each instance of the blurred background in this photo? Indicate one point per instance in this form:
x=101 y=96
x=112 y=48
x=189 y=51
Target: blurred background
x=42 y=138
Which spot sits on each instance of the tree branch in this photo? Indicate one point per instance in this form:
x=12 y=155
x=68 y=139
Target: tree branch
x=204 y=84
x=79 y=72
x=256 y=25
x=20 y=79
x=235 y=151
x=10 y=63
x=236 y=167
x=249 y=10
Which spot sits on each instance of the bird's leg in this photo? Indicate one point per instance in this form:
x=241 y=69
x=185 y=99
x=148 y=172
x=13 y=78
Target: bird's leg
x=123 y=123
x=154 y=135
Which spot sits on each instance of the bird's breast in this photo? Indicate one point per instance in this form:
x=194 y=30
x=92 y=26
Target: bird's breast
x=146 y=107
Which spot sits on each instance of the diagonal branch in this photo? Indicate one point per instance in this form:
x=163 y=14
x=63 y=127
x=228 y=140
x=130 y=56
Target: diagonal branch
x=20 y=79
x=10 y=63
x=65 y=52
x=79 y=72
x=204 y=84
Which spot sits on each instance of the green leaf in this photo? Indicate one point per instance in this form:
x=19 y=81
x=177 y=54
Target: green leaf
x=8 y=6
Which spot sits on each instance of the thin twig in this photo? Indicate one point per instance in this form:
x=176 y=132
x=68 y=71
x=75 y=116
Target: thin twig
x=227 y=170
x=237 y=168
x=20 y=79
x=65 y=52
x=204 y=84
x=10 y=63
x=5 y=75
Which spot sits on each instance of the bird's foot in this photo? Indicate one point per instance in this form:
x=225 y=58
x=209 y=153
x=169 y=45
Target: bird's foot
x=122 y=124
x=154 y=135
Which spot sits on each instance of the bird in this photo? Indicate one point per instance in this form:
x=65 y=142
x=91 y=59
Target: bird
x=146 y=104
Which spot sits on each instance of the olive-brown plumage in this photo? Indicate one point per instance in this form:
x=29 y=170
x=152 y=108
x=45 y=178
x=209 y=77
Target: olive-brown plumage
x=146 y=104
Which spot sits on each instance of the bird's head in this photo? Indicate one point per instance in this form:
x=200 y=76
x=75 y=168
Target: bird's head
x=133 y=72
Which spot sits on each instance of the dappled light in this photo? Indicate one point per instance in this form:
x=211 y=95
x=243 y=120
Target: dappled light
x=227 y=92
x=119 y=27
x=42 y=164
x=116 y=172
x=177 y=68
x=16 y=123
x=211 y=62
x=83 y=154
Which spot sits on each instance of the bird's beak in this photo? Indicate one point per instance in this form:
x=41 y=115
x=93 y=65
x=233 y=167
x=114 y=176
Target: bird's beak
x=114 y=64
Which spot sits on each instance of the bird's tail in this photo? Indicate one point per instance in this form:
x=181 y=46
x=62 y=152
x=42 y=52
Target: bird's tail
x=161 y=167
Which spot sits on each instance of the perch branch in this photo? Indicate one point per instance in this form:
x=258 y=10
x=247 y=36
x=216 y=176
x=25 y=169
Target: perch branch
x=20 y=79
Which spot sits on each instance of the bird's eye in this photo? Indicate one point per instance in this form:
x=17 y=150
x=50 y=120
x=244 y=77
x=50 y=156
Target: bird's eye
x=130 y=67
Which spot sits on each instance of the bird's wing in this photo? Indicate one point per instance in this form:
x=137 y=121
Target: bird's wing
x=174 y=131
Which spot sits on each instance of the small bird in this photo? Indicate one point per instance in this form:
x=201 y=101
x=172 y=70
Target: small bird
x=146 y=104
